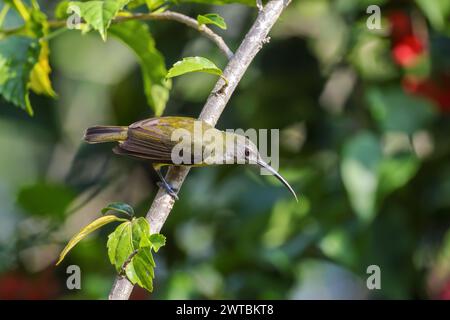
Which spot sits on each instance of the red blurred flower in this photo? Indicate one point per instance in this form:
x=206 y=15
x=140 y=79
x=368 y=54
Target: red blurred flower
x=407 y=51
x=436 y=90
x=407 y=47
x=400 y=25
x=15 y=285
x=445 y=292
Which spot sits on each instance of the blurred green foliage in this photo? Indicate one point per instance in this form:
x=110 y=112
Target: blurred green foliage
x=364 y=140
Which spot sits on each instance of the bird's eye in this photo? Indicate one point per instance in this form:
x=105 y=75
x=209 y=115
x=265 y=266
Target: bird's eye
x=247 y=152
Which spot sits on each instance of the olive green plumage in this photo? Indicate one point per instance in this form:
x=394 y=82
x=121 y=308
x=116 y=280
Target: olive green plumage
x=151 y=139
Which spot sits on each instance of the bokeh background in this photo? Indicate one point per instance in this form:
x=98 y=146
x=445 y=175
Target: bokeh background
x=364 y=120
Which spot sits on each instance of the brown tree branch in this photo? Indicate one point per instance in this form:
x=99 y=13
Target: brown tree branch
x=217 y=100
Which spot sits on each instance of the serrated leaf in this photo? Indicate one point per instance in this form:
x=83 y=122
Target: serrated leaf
x=119 y=207
x=129 y=247
x=125 y=240
x=140 y=232
x=212 y=18
x=99 y=14
x=119 y=245
x=193 y=64
x=100 y=222
x=18 y=55
x=157 y=240
x=140 y=270
x=136 y=35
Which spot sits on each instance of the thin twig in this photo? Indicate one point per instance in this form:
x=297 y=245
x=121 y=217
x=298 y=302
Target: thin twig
x=186 y=20
x=166 y=15
x=217 y=100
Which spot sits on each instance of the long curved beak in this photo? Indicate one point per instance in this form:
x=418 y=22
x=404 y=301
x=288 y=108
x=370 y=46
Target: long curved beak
x=276 y=174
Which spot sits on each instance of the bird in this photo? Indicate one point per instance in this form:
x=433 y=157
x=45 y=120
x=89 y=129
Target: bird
x=157 y=140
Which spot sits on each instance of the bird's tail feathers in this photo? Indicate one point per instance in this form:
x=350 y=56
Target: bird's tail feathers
x=100 y=134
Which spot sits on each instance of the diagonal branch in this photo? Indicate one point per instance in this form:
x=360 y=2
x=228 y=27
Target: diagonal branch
x=217 y=100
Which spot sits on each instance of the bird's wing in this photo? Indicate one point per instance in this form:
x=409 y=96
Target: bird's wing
x=151 y=138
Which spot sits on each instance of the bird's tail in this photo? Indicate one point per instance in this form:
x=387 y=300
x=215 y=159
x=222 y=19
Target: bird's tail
x=100 y=134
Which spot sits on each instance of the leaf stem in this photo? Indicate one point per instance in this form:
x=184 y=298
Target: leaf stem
x=3 y=13
x=54 y=34
x=23 y=11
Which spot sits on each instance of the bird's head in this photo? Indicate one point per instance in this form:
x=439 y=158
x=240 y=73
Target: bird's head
x=246 y=152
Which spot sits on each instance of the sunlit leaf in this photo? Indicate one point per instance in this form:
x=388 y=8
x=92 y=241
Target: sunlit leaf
x=151 y=4
x=120 y=246
x=99 y=14
x=157 y=241
x=126 y=239
x=61 y=9
x=437 y=11
x=100 y=222
x=40 y=75
x=129 y=250
x=193 y=64
x=137 y=36
x=140 y=270
x=395 y=172
x=212 y=18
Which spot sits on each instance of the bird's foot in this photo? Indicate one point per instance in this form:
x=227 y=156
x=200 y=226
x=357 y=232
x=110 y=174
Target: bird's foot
x=169 y=189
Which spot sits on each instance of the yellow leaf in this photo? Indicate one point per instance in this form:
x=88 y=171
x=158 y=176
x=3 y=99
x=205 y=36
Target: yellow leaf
x=100 y=222
x=39 y=78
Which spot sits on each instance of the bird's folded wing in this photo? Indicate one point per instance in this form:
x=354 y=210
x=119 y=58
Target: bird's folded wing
x=146 y=144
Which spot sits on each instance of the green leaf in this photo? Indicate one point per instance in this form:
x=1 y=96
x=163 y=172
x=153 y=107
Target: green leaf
x=140 y=270
x=157 y=241
x=40 y=75
x=137 y=36
x=126 y=239
x=397 y=171
x=250 y=3
x=152 y=5
x=129 y=247
x=212 y=18
x=99 y=14
x=45 y=199
x=360 y=173
x=61 y=10
x=119 y=207
x=18 y=55
x=437 y=11
x=396 y=111
x=100 y=222
x=120 y=246
x=193 y=64
x=371 y=57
